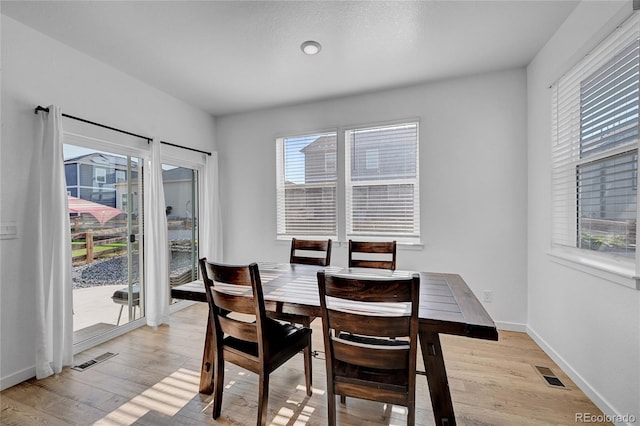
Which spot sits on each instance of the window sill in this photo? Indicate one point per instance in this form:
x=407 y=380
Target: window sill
x=618 y=271
x=335 y=242
x=403 y=245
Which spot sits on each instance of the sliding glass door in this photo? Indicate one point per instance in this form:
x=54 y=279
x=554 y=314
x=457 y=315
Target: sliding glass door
x=180 y=194
x=105 y=196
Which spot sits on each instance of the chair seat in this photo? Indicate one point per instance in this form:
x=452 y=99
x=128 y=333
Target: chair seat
x=280 y=336
x=278 y=332
x=122 y=296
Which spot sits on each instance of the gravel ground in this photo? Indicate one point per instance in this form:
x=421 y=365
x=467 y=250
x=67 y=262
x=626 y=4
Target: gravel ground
x=114 y=270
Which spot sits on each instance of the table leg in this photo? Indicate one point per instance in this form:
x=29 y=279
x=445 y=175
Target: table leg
x=206 y=371
x=437 y=379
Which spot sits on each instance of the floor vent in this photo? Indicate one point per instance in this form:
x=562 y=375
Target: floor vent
x=549 y=377
x=88 y=364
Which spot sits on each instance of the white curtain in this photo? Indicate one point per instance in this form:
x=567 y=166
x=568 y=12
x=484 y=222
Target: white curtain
x=156 y=243
x=54 y=293
x=211 y=225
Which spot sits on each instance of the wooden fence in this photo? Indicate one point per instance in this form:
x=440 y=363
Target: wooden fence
x=97 y=238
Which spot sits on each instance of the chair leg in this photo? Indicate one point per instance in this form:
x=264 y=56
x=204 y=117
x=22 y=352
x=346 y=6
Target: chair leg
x=307 y=360
x=218 y=385
x=119 y=315
x=331 y=406
x=307 y=369
x=263 y=398
x=343 y=399
x=411 y=416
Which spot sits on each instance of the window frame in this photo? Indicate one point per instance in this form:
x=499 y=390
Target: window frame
x=341 y=165
x=402 y=238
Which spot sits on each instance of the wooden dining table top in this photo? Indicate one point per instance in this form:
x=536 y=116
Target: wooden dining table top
x=447 y=304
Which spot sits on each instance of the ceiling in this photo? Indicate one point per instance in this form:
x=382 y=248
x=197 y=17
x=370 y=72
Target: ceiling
x=233 y=56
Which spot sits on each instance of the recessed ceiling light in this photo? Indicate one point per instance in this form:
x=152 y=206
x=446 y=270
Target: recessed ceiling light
x=310 y=47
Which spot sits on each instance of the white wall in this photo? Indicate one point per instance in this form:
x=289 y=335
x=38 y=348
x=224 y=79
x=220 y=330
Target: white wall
x=36 y=70
x=589 y=325
x=472 y=177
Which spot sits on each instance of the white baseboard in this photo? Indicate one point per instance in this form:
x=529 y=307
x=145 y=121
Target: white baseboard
x=178 y=306
x=584 y=386
x=511 y=326
x=17 y=378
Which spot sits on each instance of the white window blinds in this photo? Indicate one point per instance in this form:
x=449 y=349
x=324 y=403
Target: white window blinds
x=306 y=186
x=382 y=193
x=595 y=147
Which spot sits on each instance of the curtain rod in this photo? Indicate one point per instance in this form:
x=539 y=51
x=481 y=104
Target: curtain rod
x=41 y=108
x=185 y=147
x=148 y=139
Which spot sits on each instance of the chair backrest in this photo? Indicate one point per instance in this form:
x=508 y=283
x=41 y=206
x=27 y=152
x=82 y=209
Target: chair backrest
x=221 y=303
x=374 y=355
x=321 y=250
x=383 y=254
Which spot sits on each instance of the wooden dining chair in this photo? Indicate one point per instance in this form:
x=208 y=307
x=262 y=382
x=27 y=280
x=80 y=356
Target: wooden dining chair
x=370 y=348
x=260 y=346
x=310 y=252
x=383 y=254
x=306 y=252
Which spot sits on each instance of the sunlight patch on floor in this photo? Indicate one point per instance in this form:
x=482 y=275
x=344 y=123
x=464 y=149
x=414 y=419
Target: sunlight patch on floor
x=398 y=409
x=283 y=417
x=167 y=397
x=301 y=412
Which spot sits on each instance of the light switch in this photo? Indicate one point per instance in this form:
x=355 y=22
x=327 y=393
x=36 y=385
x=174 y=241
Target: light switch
x=8 y=230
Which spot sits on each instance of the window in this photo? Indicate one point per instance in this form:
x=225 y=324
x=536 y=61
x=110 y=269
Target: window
x=330 y=161
x=306 y=185
x=379 y=183
x=372 y=159
x=382 y=194
x=595 y=149
x=100 y=175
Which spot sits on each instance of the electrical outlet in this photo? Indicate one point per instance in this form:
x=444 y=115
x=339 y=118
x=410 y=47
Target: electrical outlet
x=487 y=296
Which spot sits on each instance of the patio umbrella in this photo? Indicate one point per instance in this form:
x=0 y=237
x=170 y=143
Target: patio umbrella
x=101 y=212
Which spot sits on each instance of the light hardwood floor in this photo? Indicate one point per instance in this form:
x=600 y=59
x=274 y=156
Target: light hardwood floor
x=153 y=380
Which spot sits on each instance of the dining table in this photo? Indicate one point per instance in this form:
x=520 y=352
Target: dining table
x=447 y=306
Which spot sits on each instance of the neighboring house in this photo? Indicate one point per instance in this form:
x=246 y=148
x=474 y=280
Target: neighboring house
x=178 y=188
x=388 y=157
x=100 y=178
x=320 y=160
x=372 y=157
x=380 y=162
